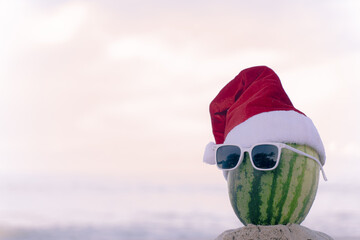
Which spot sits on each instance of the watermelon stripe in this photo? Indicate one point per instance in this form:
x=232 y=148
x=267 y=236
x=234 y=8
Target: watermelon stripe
x=238 y=189
x=266 y=186
x=309 y=198
x=298 y=190
x=306 y=204
x=306 y=185
x=270 y=210
x=285 y=169
x=255 y=199
x=293 y=210
x=246 y=197
x=233 y=197
x=286 y=188
x=241 y=197
x=312 y=192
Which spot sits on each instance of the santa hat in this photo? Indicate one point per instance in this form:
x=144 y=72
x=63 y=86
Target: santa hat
x=254 y=108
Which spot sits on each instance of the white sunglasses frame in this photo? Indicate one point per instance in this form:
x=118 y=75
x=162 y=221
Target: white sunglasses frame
x=280 y=146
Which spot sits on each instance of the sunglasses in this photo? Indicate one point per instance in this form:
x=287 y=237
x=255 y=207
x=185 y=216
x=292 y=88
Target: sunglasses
x=263 y=156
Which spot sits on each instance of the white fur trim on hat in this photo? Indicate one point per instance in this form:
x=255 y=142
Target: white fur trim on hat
x=275 y=126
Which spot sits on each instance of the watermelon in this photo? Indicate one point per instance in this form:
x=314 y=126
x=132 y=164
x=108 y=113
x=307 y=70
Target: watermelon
x=281 y=196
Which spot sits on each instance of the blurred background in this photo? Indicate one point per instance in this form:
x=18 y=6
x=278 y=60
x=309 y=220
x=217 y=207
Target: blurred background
x=104 y=111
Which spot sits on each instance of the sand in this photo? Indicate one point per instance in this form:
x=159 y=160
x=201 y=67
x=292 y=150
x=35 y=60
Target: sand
x=276 y=232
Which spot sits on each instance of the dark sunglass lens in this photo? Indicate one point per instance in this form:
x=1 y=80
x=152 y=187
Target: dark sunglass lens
x=265 y=156
x=227 y=157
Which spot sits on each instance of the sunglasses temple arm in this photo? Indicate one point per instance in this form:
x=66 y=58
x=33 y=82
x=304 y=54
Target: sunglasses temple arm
x=309 y=156
x=323 y=173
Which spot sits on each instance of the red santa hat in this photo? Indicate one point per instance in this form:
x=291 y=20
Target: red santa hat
x=254 y=108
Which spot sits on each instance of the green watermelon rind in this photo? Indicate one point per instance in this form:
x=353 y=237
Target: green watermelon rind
x=281 y=196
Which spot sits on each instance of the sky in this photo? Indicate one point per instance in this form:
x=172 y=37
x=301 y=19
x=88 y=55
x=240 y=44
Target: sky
x=122 y=88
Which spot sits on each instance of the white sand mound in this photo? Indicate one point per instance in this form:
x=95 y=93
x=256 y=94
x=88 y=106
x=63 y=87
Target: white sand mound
x=276 y=232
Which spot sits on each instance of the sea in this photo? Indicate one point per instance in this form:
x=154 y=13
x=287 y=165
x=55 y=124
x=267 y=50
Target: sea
x=105 y=208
